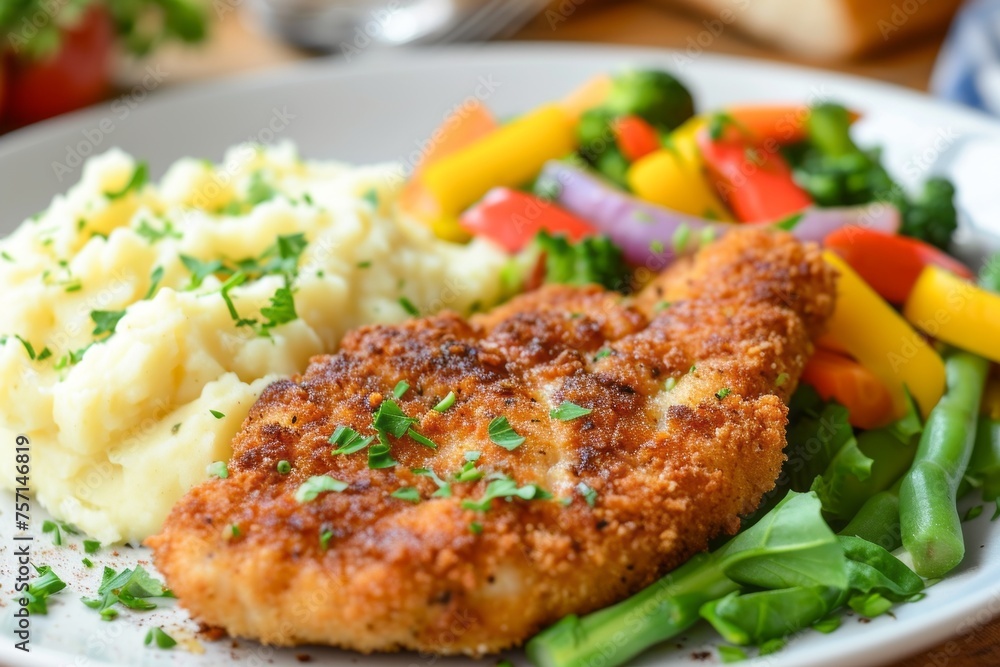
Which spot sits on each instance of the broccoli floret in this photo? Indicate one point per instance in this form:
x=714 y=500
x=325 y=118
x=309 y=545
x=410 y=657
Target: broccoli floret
x=653 y=95
x=931 y=216
x=835 y=172
x=593 y=260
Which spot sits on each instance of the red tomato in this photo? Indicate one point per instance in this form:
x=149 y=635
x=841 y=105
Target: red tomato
x=890 y=264
x=512 y=218
x=75 y=76
x=635 y=137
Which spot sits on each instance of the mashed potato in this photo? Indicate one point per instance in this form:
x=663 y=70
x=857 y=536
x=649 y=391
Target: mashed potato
x=130 y=377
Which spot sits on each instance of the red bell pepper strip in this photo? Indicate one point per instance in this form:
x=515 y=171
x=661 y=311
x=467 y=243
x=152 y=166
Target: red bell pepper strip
x=754 y=181
x=635 y=137
x=512 y=218
x=890 y=264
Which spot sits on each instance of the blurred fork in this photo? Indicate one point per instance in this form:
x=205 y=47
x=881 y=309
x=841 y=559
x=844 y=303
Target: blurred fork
x=354 y=25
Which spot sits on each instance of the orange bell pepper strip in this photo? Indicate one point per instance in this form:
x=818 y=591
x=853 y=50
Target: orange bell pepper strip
x=837 y=377
x=635 y=137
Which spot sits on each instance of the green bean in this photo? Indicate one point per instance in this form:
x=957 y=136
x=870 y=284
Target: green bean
x=931 y=527
x=984 y=467
x=878 y=519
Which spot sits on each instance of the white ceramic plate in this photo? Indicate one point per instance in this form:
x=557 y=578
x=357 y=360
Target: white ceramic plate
x=382 y=108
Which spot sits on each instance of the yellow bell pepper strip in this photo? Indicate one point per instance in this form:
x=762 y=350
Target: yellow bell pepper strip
x=882 y=341
x=510 y=156
x=590 y=95
x=956 y=311
x=674 y=177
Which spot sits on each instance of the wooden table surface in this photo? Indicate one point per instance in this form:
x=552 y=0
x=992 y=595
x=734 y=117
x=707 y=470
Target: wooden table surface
x=238 y=45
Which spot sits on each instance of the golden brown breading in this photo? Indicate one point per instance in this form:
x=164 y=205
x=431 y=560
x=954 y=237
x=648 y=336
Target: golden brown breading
x=671 y=467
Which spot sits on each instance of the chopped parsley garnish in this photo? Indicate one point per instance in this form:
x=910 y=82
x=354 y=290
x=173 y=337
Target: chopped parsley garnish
x=693 y=368
x=312 y=487
x=348 y=440
x=28 y=347
x=38 y=592
x=656 y=247
x=75 y=286
x=307 y=198
x=789 y=223
x=91 y=546
x=217 y=469
x=161 y=639
x=409 y=307
x=139 y=178
x=106 y=321
x=472 y=455
x=973 y=513
x=151 y=234
x=670 y=384
x=234 y=532
x=324 y=539
x=722 y=393
x=284 y=467
x=129 y=587
x=568 y=411
x=392 y=419
x=87 y=562
x=217 y=414
x=589 y=495
x=446 y=402
x=53 y=527
x=175 y=428
x=6 y=256
x=444 y=488
x=371 y=196
x=602 y=353
x=503 y=434
x=408 y=493
x=421 y=439
x=476 y=528
x=281 y=310
x=154 y=282
x=380 y=456
x=44 y=354
x=259 y=191
x=200 y=270
x=781 y=380
x=469 y=473
x=661 y=306
x=401 y=388
x=680 y=238
x=507 y=488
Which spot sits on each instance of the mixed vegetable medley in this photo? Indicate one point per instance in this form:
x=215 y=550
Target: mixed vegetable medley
x=898 y=412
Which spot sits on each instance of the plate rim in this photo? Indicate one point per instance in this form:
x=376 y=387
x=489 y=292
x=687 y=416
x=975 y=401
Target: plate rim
x=920 y=632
